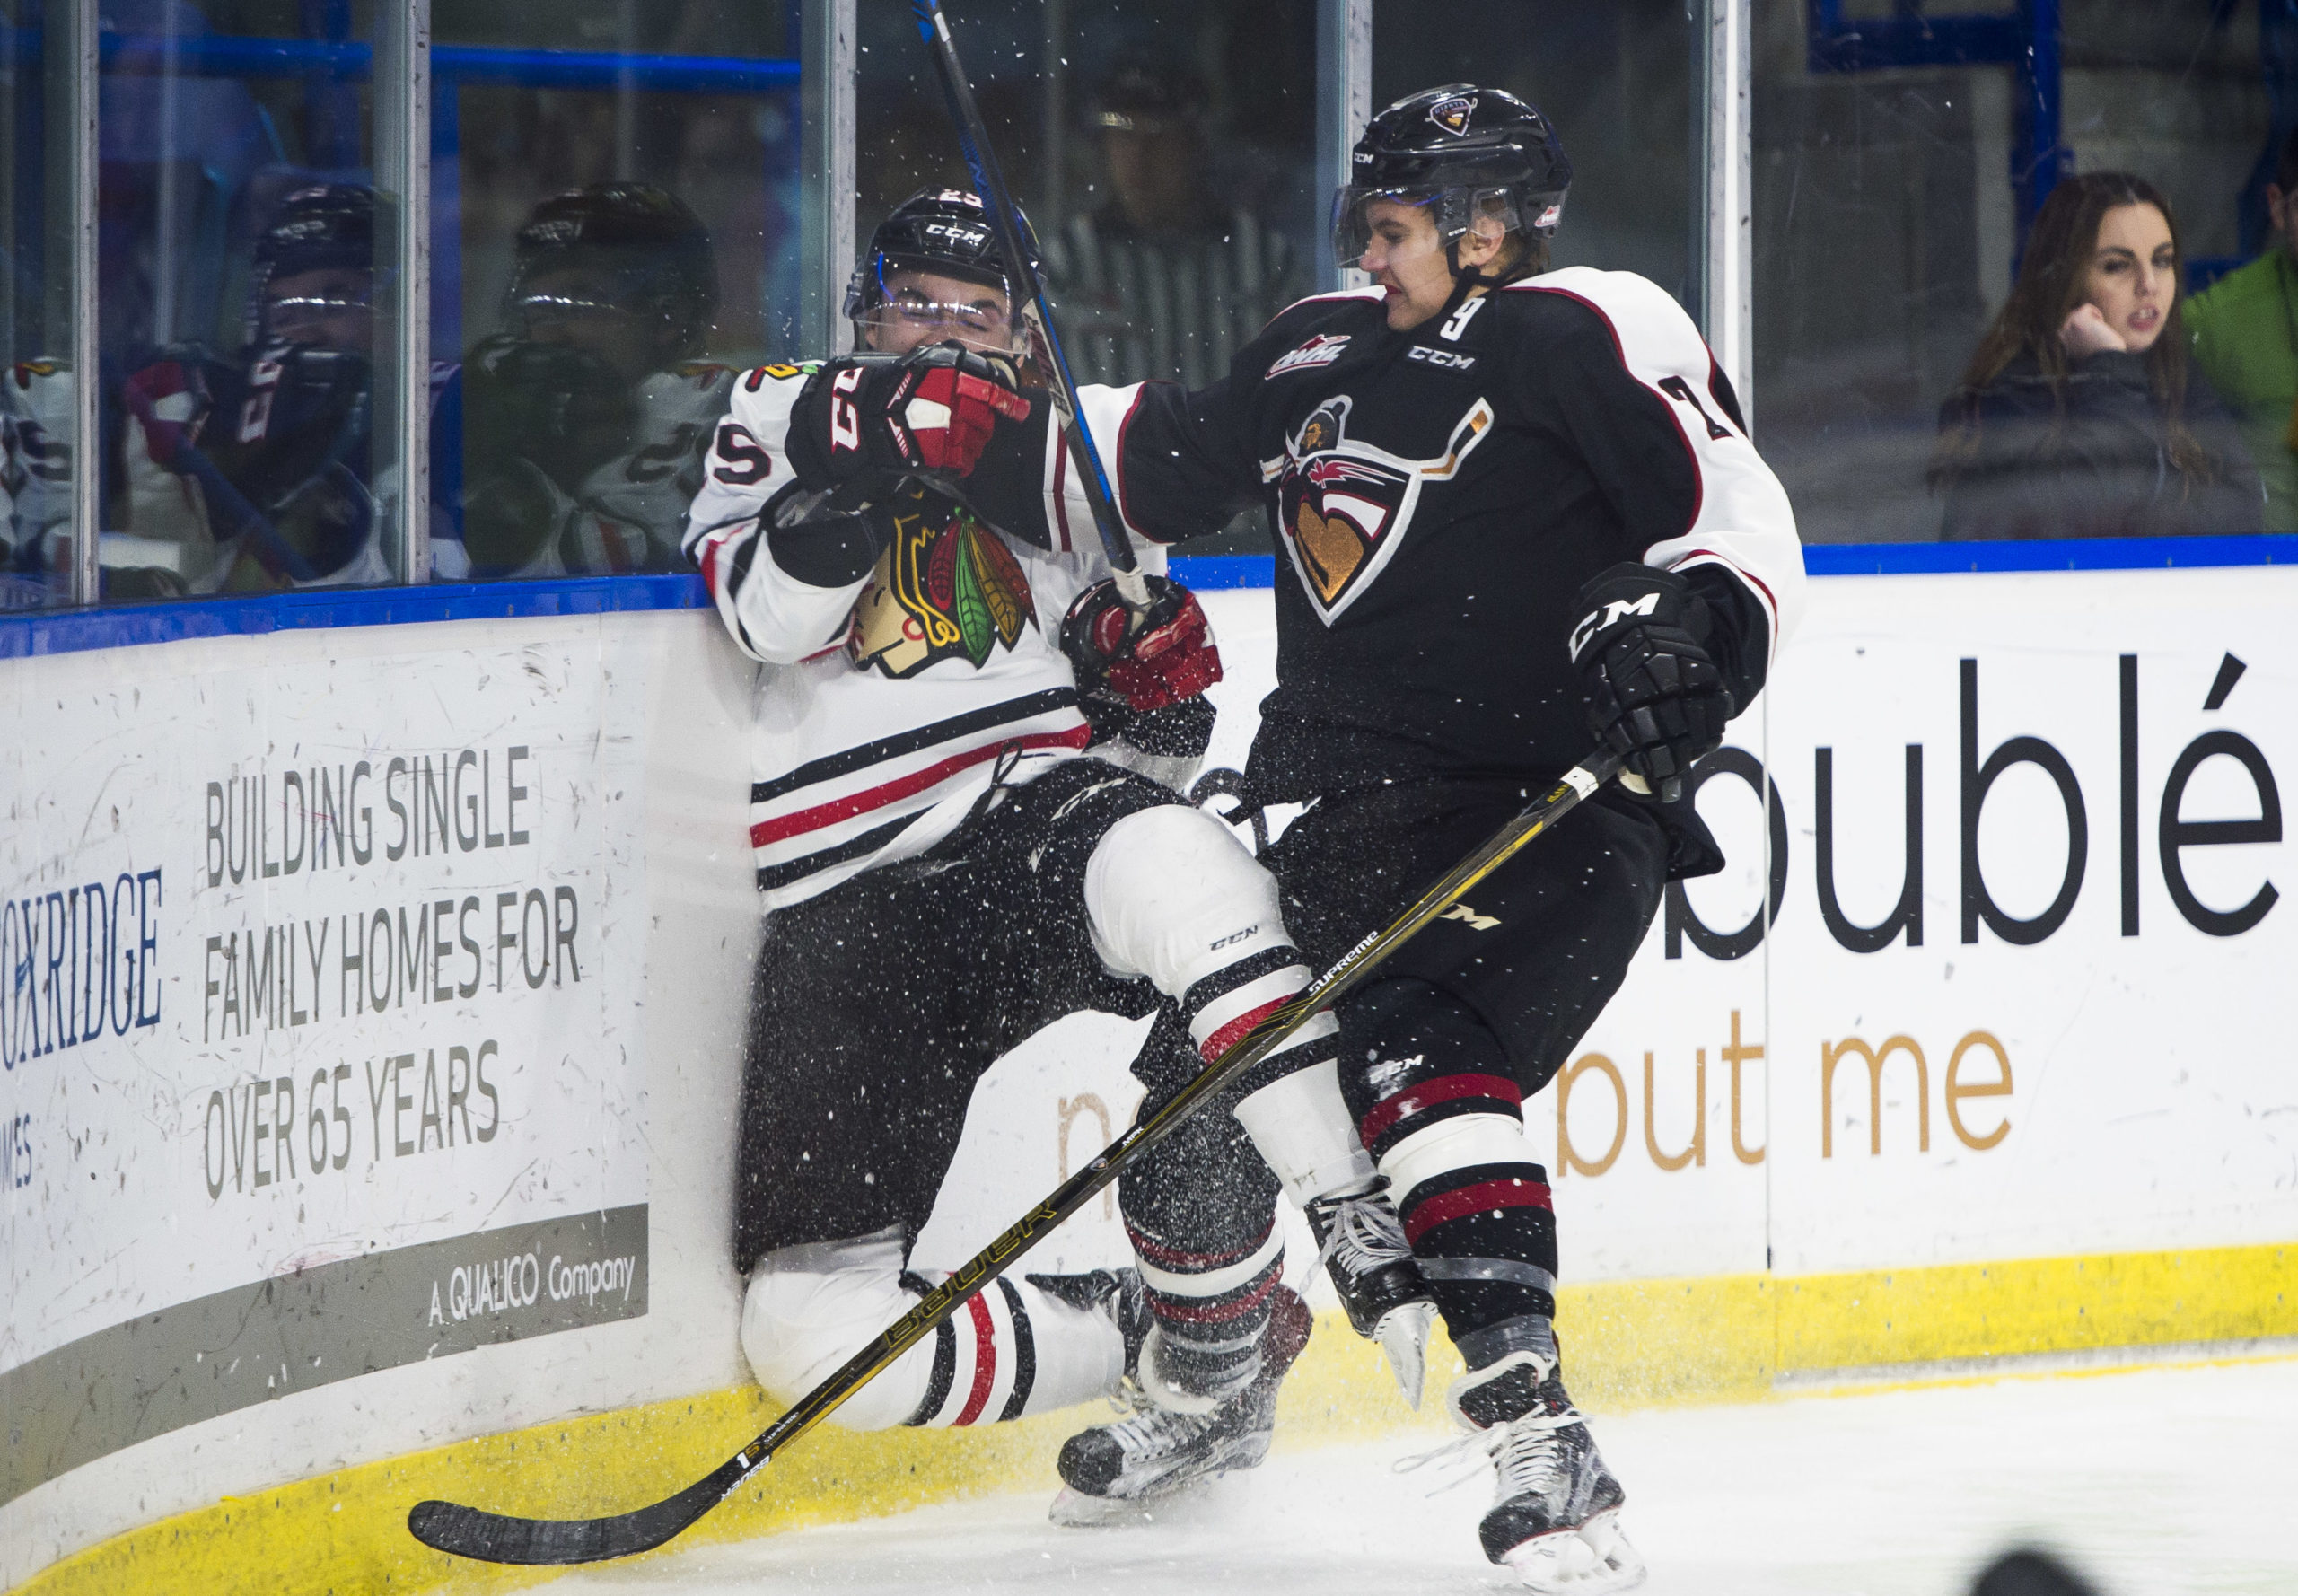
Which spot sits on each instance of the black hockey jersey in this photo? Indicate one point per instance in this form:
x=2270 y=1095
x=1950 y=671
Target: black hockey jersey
x=1437 y=498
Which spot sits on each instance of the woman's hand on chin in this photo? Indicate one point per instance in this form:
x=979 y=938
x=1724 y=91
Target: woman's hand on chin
x=2086 y=332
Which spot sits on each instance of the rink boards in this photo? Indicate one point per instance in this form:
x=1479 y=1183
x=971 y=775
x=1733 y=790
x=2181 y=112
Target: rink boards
x=373 y=997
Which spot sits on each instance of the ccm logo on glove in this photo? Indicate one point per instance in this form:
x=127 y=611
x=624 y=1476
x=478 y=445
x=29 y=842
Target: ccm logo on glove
x=1611 y=614
x=933 y=411
x=1655 y=694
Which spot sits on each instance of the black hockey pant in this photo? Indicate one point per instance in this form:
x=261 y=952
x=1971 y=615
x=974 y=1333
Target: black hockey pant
x=1473 y=1015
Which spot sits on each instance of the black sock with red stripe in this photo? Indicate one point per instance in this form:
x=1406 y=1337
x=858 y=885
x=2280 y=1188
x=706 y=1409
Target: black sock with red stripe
x=1200 y=1207
x=1211 y=1309
x=1441 y=1112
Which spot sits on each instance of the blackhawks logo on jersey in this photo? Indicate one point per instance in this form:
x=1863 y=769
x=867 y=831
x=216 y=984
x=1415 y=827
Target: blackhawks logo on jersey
x=946 y=589
x=1344 y=505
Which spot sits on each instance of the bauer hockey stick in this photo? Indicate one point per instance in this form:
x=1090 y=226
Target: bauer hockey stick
x=1029 y=293
x=497 y=1537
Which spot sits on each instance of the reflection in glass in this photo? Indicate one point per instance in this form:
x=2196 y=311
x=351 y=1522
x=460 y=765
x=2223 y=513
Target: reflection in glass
x=586 y=419
x=36 y=386
x=237 y=288
x=615 y=231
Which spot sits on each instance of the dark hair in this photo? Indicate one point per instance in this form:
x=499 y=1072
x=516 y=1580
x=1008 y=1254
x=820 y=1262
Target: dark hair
x=2285 y=167
x=2053 y=276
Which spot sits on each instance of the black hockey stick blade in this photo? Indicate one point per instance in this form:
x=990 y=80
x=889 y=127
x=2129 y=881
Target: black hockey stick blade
x=1028 y=294
x=499 y=1537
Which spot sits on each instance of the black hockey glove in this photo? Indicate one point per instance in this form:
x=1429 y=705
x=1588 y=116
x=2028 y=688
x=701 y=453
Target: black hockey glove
x=872 y=418
x=831 y=546
x=1655 y=695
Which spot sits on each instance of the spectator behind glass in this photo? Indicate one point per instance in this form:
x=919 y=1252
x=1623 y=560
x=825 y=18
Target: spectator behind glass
x=2080 y=416
x=587 y=418
x=2244 y=329
x=1166 y=279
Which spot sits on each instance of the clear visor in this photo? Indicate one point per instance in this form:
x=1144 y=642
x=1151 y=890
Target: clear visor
x=1394 y=225
x=906 y=317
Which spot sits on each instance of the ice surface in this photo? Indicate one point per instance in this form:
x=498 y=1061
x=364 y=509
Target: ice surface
x=2157 y=1482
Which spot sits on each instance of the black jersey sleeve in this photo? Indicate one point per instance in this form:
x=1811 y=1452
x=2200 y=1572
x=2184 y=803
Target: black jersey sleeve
x=1614 y=366
x=1180 y=462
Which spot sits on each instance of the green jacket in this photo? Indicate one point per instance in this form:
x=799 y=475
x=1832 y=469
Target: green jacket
x=2244 y=329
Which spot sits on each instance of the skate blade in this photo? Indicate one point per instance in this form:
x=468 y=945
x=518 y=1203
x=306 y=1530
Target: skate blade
x=1403 y=1335
x=1074 y=1509
x=1593 y=1560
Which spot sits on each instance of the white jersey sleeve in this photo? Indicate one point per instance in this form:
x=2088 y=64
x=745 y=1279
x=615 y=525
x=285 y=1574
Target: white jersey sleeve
x=772 y=616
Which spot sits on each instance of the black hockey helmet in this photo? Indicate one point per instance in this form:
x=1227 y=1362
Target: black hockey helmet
x=943 y=231
x=1463 y=152
x=318 y=227
x=653 y=252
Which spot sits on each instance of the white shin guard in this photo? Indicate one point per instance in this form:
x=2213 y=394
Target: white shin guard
x=1303 y=1129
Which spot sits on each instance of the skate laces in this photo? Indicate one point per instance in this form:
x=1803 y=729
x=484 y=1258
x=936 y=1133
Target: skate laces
x=1524 y=1452
x=1149 y=1429
x=1366 y=1233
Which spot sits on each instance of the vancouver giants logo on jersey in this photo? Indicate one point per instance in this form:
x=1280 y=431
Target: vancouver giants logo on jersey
x=1345 y=505
x=1321 y=350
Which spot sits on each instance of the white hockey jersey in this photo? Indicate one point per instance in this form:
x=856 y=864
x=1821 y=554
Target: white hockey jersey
x=885 y=708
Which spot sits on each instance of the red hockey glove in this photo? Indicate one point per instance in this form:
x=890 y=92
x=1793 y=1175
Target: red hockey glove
x=165 y=441
x=931 y=411
x=1169 y=657
x=1655 y=692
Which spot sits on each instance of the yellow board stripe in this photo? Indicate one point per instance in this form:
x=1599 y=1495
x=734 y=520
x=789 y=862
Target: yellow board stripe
x=1629 y=1343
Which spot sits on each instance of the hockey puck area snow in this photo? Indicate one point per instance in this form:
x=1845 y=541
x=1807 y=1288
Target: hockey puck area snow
x=2158 y=1481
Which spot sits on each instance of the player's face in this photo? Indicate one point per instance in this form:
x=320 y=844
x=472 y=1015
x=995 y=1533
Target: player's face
x=328 y=309
x=1406 y=260
x=2133 y=274
x=577 y=306
x=923 y=307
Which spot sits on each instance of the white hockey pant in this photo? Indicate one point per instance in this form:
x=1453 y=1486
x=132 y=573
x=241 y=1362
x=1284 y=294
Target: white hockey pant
x=1172 y=895
x=1013 y=1350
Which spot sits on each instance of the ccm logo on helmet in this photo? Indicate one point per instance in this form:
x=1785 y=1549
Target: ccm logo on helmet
x=956 y=233
x=1609 y=614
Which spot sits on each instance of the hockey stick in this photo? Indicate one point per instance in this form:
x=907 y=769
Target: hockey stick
x=1036 y=317
x=496 y=1537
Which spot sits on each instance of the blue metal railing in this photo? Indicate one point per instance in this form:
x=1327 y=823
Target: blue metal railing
x=231 y=55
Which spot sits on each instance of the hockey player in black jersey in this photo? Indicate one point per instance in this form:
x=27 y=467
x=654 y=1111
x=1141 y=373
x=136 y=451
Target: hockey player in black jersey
x=1515 y=510
x=946 y=876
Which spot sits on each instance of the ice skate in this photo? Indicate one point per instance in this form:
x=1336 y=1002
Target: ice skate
x=1555 y=1517
x=1126 y=1471
x=1361 y=1243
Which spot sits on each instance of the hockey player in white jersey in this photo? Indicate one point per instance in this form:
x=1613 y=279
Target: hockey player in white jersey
x=1516 y=511
x=947 y=874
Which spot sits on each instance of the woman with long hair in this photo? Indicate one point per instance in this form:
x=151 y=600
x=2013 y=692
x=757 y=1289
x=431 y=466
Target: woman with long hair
x=2080 y=415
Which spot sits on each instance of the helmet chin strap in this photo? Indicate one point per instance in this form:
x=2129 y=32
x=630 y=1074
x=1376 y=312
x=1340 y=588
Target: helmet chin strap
x=1466 y=280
